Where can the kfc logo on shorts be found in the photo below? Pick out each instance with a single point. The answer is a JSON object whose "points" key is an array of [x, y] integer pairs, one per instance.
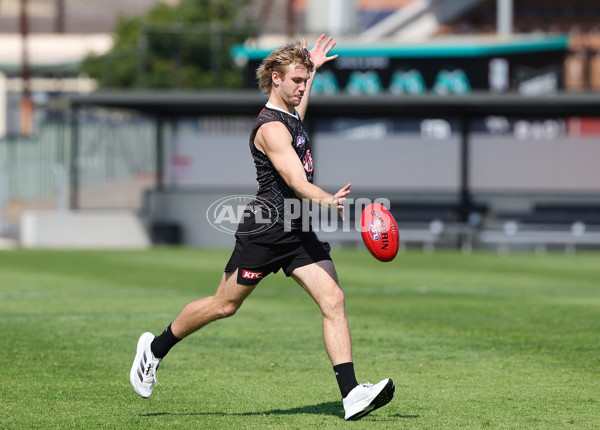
{"points": [[308, 162], [300, 141], [247, 274]]}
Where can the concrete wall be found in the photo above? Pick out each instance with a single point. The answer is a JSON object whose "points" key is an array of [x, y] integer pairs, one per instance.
{"points": [[83, 230], [513, 164], [187, 208]]}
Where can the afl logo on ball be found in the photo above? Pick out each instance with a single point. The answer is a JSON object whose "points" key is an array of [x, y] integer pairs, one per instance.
{"points": [[300, 141], [374, 231]]}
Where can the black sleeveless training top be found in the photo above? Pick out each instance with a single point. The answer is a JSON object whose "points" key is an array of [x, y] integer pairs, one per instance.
{"points": [[271, 186]]}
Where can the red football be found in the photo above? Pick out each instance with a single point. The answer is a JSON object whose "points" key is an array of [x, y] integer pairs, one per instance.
{"points": [[380, 232]]}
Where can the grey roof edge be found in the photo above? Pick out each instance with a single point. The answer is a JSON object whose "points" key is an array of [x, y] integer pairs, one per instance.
{"points": [[248, 102]]}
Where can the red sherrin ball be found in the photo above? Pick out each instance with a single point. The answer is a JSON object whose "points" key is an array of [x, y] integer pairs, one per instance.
{"points": [[380, 232]]}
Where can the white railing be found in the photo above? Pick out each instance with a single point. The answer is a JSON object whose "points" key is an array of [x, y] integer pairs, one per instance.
{"points": [[32, 185]]}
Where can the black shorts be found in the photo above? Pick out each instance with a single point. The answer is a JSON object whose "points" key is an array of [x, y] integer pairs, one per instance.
{"points": [[256, 254]]}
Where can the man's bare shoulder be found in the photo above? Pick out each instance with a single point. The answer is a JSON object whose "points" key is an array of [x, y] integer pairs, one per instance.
{"points": [[273, 127], [271, 136]]}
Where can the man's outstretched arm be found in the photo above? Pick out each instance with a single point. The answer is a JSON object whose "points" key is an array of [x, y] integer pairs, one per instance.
{"points": [[318, 55]]}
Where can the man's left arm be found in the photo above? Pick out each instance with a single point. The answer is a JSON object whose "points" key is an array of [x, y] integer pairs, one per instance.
{"points": [[318, 55]]}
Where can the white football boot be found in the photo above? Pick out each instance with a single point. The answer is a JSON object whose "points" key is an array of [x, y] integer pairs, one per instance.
{"points": [[365, 398], [143, 369]]}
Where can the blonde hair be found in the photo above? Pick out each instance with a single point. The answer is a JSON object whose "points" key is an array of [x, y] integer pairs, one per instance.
{"points": [[278, 60]]}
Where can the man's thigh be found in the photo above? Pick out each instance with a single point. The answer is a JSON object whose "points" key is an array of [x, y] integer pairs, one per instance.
{"points": [[318, 279], [230, 290]]}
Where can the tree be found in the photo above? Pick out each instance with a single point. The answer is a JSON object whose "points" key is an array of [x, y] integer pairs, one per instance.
{"points": [[183, 46]]}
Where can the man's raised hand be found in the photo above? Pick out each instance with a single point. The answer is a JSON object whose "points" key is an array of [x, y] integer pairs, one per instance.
{"points": [[318, 53]]}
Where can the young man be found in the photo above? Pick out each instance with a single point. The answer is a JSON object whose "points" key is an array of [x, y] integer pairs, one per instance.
{"points": [[282, 155]]}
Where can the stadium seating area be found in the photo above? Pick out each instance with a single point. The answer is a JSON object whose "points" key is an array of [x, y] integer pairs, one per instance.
{"points": [[448, 225], [547, 225], [544, 213], [424, 224]]}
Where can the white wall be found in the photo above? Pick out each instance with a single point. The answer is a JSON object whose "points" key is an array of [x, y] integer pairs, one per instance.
{"points": [[333, 17], [3, 89], [83, 230], [188, 209]]}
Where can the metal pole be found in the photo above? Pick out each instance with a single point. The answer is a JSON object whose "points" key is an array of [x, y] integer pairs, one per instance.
{"points": [[290, 19], [215, 49], [60, 17], [160, 162], [465, 192], [26, 105], [74, 165], [504, 17], [265, 11], [142, 56]]}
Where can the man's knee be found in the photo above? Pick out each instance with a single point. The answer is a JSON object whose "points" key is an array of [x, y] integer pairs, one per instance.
{"points": [[335, 301], [228, 309], [340, 299]]}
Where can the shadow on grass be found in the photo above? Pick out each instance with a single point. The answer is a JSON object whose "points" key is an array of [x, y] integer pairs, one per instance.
{"points": [[327, 408]]}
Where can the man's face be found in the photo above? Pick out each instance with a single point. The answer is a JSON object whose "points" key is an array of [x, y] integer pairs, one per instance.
{"points": [[292, 84]]}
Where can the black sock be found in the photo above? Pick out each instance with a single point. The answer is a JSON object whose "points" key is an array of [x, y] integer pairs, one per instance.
{"points": [[162, 344], [344, 373]]}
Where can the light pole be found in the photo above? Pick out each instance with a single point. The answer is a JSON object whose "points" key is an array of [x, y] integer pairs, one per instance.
{"points": [[26, 105]]}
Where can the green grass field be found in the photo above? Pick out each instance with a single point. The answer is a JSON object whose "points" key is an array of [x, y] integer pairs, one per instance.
{"points": [[471, 341]]}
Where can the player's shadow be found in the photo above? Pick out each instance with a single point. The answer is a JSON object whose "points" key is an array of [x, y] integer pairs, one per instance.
{"points": [[327, 408]]}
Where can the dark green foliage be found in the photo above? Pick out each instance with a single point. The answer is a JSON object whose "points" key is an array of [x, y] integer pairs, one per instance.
{"points": [[183, 47]]}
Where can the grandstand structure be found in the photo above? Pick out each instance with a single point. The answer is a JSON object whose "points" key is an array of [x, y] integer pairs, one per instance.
{"points": [[489, 139], [478, 170]]}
